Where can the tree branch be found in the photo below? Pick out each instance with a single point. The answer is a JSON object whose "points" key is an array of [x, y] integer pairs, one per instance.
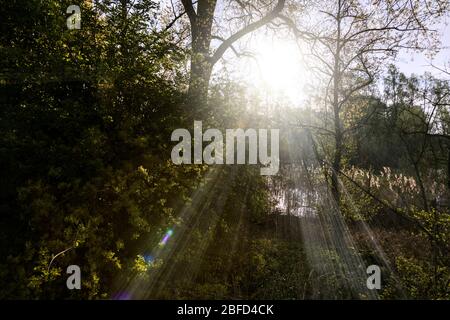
{"points": [[189, 8], [246, 30]]}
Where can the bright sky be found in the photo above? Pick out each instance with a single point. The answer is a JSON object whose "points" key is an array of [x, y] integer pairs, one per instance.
{"points": [[278, 70], [418, 63]]}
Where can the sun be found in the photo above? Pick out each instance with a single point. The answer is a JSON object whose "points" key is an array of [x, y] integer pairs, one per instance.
{"points": [[277, 68]]}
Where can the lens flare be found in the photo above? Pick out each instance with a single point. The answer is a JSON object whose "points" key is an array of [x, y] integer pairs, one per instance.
{"points": [[166, 237], [122, 295], [149, 258]]}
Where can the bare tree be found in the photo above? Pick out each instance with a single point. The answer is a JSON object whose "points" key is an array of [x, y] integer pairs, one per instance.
{"points": [[201, 17], [349, 40]]}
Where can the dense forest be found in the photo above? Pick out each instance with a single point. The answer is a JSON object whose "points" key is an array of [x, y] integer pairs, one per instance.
{"points": [[87, 115]]}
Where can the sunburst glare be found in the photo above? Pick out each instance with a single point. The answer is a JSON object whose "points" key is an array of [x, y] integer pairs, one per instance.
{"points": [[277, 67]]}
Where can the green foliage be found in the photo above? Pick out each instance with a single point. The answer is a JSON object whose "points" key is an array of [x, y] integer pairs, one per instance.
{"points": [[277, 270], [84, 142], [86, 178], [420, 280]]}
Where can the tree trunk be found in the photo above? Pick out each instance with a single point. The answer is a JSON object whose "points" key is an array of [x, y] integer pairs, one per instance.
{"points": [[448, 169], [200, 75], [336, 168], [201, 64], [337, 79]]}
